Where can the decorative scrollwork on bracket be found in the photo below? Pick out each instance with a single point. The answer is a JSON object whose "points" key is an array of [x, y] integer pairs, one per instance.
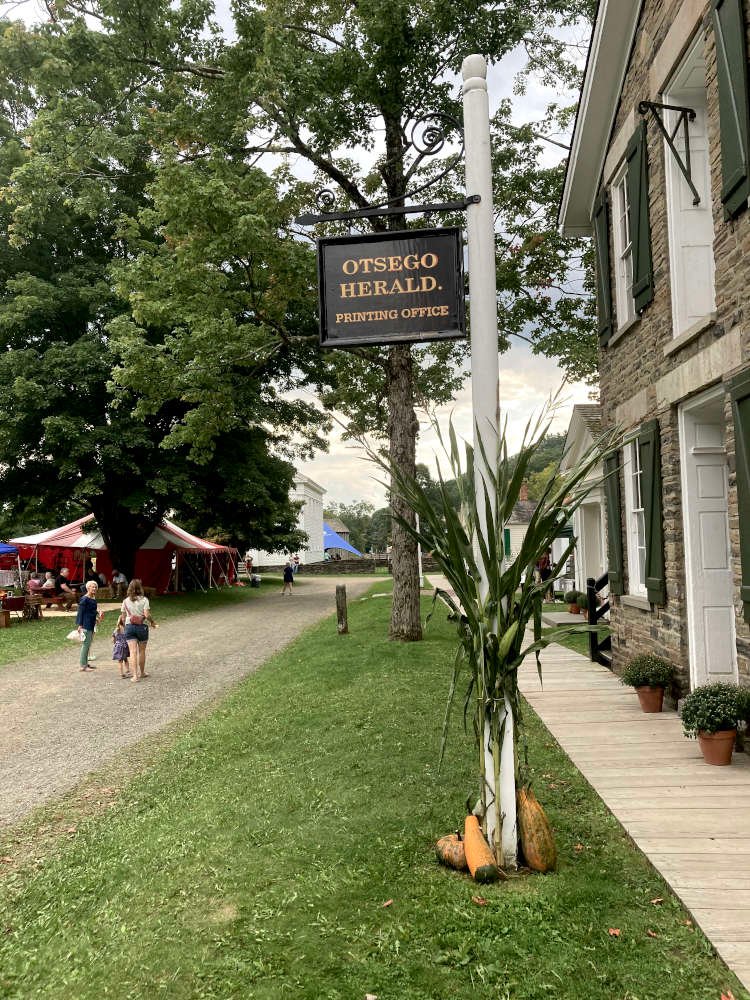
{"points": [[428, 136], [430, 133], [325, 200]]}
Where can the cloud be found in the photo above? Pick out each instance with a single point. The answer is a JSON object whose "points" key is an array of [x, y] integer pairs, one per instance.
{"points": [[527, 381]]}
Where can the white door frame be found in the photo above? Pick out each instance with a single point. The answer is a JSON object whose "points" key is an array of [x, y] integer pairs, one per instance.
{"points": [[686, 411]]}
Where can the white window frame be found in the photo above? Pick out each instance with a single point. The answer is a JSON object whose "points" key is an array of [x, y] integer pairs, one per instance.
{"points": [[689, 227], [635, 518], [623, 248]]}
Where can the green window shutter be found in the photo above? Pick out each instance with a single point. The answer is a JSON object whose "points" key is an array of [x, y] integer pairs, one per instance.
{"points": [[740, 395], [600, 225], [734, 112], [640, 230], [614, 529], [648, 445], [506, 541]]}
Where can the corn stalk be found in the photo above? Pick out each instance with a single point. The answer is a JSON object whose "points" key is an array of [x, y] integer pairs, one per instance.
{"points": [[493, 618]]}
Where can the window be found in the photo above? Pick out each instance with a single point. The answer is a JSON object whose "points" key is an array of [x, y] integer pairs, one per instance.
{"points": [[635, 519], [691, 230], [623, 247]]}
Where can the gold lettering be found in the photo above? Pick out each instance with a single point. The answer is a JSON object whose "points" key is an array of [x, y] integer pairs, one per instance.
{"points": [[429, 260], [411, 262], [394, 263], [347, 289], [380, 287], [350, 267], [364, 288], [380, 264], [429, 284]]}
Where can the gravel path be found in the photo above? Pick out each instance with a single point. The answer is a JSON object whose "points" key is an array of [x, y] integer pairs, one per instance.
{"points": [[58, 724]]}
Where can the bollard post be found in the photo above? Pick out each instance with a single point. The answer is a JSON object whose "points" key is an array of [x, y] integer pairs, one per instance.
{"points": [[342, 622]]}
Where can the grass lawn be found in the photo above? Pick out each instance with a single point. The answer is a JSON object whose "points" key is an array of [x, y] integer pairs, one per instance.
{"points": [[36, 638], [282, 847]]}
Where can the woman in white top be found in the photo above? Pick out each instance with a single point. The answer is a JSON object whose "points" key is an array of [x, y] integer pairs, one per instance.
{"points": [[134, 615]]}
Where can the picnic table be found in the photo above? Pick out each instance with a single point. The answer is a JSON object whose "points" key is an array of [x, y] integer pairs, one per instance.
{"points": [[25, 607]]}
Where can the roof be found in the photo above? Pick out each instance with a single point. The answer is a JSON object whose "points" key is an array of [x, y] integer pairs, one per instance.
{"points": [[338, 525], [606, 65], [301, 480], [83, 534], [584, 428], [523, 511]]}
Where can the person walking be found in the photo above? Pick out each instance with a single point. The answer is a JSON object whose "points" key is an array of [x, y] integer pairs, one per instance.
{"points": [[86, 619], [135, 613], [288, 579], [120, 651]]}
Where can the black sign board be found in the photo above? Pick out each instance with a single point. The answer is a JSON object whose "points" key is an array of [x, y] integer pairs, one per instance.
{"points": [[386, 288]]}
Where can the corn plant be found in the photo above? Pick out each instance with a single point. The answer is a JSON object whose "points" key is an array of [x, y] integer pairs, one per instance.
{"points": [[494, 596]]}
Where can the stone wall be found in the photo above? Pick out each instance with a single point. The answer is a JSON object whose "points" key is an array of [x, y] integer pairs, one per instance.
{"points": [[644, 372]]}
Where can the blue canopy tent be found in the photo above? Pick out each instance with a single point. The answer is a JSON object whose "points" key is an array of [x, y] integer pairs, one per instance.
{"points": [[332, 540], [9, 555]]}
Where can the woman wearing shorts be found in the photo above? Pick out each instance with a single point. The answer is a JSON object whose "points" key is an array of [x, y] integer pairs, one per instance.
{"points": [[135, 615]]}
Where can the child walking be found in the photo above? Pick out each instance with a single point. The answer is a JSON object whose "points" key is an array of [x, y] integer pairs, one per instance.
{"points": [[120, 651]]}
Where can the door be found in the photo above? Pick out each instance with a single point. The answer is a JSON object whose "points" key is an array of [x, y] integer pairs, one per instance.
{"points": [[708, 567]]}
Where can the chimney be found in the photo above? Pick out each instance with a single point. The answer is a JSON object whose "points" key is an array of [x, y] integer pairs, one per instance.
{"points": [[523, 493]]}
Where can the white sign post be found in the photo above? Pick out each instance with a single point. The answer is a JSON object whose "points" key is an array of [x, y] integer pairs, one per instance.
{"points": [[485, 388]]}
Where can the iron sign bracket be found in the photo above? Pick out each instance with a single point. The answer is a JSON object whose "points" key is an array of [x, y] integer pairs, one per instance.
{"points": [[371, 213], [685, 116]]}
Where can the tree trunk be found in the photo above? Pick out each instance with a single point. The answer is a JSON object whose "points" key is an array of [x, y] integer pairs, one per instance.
{"points": [[123, 532], [406, 624]]}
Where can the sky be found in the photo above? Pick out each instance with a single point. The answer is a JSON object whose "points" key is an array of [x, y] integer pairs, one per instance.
{"points": [[526, 380]]}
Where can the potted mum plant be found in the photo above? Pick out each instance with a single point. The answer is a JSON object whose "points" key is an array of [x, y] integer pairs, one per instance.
{"points": [[583, 604], [711, 712], [649, 675], [571, 599]]}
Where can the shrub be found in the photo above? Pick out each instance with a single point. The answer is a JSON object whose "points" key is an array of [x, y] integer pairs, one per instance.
{"points": [[648, 671], [712, 708], [583, 601], [571, 597]]}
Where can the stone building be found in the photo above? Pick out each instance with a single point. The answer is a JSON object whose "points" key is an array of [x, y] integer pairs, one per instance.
{"points": [[659, 174]]}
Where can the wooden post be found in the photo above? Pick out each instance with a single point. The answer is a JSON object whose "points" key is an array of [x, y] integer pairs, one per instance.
{"points": [[342, 620]]}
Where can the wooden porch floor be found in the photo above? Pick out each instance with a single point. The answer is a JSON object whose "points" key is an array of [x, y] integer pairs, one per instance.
{"points": [[691, 819]]}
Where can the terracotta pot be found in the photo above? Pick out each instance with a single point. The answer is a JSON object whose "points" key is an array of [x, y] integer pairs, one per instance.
{"points": [[573, 609], [717, 747], [651, 698]]}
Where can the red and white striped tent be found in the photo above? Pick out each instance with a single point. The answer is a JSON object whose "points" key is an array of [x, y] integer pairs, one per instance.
{"points": [[169, 559]]}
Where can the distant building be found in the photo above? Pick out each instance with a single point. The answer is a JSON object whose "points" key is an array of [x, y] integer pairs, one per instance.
{"points": [[342, 530], [310, 520], [589, 521]]}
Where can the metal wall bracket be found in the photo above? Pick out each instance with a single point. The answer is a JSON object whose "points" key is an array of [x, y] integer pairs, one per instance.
{"points": [[686, 115], [372, 213]]}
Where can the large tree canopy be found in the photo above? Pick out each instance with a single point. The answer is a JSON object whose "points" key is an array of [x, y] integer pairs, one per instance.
{"points": [[81, 421]]}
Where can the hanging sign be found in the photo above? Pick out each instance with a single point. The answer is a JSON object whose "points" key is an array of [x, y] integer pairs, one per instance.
{"points": [[387, 288]]}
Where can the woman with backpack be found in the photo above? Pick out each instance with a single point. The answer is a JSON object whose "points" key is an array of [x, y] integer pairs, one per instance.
{"points": [[134, 615]]}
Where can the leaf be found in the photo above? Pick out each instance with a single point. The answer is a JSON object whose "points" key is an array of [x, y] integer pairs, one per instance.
{"points": [[388, 902], [578, 848], [371, 996], [651, 934], [479, 900], [657, 900], [71, 829], [614, 932], [6, 859], [727, 996]]}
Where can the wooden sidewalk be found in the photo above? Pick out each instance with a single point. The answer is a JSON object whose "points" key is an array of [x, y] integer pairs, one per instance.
{"points": [[691, 820]]}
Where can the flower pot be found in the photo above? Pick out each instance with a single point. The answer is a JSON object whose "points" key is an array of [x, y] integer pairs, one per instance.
{"points": [[717, 747], [573, 609], [651, 698]]}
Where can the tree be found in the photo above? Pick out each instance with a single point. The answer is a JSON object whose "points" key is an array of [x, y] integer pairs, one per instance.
{"points": [[374, 70], [79, 427]]}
